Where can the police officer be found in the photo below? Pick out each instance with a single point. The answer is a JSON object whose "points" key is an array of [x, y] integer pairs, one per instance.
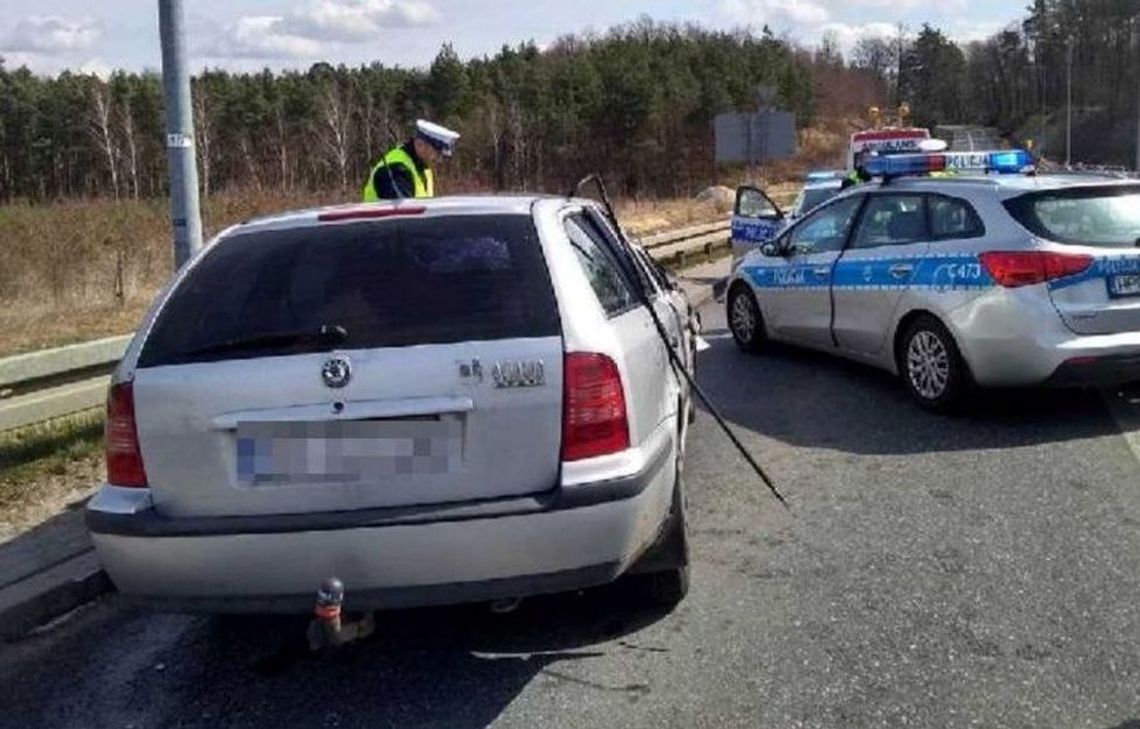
{"points": [[858, 173], [406, 171]]}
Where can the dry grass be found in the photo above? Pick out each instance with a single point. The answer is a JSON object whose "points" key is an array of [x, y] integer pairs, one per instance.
{"points": [[81, 270], [84, 269], [45, 467], [641, 217]]}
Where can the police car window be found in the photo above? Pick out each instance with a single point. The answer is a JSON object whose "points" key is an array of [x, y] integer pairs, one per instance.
{"points": [[815, 197], [1105, 217], [891, 220], [601, 270], [953, 218], [752, 203], [826, 229]]}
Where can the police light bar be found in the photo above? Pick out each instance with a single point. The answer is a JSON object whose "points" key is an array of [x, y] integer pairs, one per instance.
{"points": [[1003, 162]]}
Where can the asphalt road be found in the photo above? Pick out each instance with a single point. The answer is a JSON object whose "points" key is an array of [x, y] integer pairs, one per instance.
{"points": [[932, 572]]}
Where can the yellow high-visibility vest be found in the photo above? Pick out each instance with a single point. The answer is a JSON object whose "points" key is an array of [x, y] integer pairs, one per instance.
{"points": [[398, 157]]}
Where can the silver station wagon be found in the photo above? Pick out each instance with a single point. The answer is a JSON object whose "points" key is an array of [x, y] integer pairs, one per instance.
{"points": [[453, 400]]}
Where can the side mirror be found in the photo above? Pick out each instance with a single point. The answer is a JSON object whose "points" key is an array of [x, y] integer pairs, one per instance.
{"points": [[770, 249]]}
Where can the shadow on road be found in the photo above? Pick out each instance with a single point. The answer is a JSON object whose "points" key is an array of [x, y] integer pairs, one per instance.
{"points": [[453, 667], [445, 667], [809, 399]]}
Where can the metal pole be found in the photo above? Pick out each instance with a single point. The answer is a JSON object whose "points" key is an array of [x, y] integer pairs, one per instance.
{"points": [[1069, 111], [185, 215]]}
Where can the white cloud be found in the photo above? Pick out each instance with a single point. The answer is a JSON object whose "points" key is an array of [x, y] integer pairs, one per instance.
{"points": [[51, 34], [259, 36], [356, 20], [96, 67], [307, 31], [776, 12], [848, 34], [809, 20], [975, 31]]}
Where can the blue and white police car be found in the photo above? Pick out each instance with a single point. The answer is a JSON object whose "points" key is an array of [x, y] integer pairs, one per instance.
{"points": [[1002, 279], [756, 218]]}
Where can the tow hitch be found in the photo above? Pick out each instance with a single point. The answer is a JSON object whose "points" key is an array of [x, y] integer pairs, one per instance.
{"points": [[328, 628]]}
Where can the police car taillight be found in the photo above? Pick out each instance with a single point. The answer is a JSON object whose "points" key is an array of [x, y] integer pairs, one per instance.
{"points": [[1013, 269]]}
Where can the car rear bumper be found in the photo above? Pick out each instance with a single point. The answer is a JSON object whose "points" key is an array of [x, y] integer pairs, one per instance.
{"points": [[1101, 371], [561, 540], [1014, 339], [1063, 362]]}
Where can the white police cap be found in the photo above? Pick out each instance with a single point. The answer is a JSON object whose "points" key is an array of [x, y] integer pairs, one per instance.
{"points": [[440, 137]]}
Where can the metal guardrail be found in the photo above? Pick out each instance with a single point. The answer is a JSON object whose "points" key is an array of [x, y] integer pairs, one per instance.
{"points": [[676, 246], [38, 386]]}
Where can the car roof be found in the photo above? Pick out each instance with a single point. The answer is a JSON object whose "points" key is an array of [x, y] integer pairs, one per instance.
{"points": [[512, 204], [823, 184]]}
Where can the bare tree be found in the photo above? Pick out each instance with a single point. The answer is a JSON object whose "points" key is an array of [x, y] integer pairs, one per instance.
{"points": [[127, 125], [876, 55], [517, 131], [99, 125], [204, 123], [282, 144], [334, 129], [250, 163]]}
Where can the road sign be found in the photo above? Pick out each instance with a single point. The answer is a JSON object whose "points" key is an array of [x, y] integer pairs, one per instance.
{"points": [[756, 137]]}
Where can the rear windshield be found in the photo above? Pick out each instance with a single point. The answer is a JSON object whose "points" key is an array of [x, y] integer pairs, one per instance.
{"points": [[375, 284], [1106, 217]]}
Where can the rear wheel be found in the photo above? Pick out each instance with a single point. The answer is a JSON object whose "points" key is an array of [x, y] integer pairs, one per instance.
{"points": [[744, 319], [931, 366], [667, 588]]}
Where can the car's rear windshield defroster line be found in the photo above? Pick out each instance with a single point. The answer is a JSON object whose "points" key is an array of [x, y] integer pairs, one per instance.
{"points": [[387, 283]]}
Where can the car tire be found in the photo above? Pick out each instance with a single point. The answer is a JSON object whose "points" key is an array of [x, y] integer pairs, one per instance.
{"points": [[662, 574], [667, 589], [744, 319], [931, 366]]}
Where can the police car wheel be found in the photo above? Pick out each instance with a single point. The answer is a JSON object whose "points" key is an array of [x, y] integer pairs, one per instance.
{"points": [[745, 320], [931, 366]]}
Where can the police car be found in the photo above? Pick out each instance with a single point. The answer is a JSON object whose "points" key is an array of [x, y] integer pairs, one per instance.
{"points": [[1003, 279], [756, 218]]}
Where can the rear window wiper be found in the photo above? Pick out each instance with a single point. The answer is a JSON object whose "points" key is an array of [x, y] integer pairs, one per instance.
{"points": [[326, 334]]}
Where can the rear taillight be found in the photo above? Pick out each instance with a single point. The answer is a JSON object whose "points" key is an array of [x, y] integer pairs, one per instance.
{"points": [[594, 420], [1025, 268], [121, 439]]}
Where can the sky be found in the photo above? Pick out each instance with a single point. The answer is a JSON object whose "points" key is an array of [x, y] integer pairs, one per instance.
{"points": [[50, 35]]}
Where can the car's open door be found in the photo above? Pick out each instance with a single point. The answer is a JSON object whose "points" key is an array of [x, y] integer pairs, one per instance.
{"points": [[756, 218]]}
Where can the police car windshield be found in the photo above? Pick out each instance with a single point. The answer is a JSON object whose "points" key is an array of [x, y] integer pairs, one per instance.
{"points": [[1107, 217], [814, 197]]}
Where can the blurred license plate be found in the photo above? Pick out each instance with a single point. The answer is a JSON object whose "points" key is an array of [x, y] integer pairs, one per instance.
{"points": [[349, 451], [1127, 284]]}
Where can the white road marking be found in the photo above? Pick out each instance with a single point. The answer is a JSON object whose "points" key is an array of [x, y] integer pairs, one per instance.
{"points": [[1125, 408]]}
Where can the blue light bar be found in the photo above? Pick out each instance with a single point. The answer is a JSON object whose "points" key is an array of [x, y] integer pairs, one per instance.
{"points": [[1003, 162]]}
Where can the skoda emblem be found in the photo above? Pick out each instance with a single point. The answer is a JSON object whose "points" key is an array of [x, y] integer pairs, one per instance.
{"points": [[336, 372]]}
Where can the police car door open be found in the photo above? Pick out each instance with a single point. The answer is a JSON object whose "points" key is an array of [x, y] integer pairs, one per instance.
{"points": [[756, 219]]}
